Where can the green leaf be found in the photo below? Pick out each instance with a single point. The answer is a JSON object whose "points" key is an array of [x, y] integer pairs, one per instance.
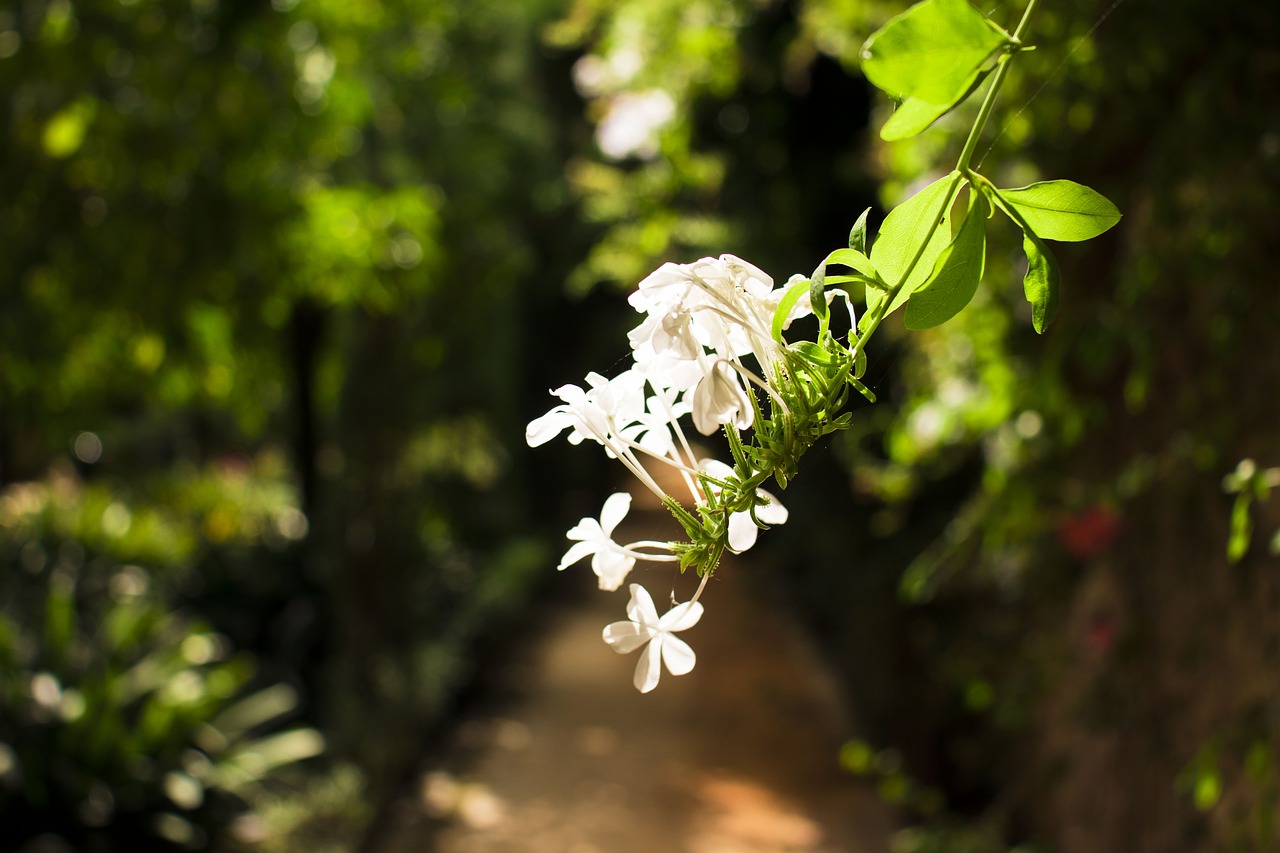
{"points": [[1208, 789], [812, 352], [956, 275], [1041, 281], [915, 114], [858, 233], [853, 259], [1062, 210], [931, 51], [789, 300], [901, 234], [912, 116], [817, 295], [862, 389]]}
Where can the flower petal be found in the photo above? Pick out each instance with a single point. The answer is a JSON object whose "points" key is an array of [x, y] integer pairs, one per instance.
{"points": [[543, 429], [649, 667], [717, 469], [681, 616], [742, 532], [588, 530], [640, 608], [772, 512], [612, 568], [625, 637], [615, 509], [575, 553], [676, 654], [748, 276], [721, 399]]}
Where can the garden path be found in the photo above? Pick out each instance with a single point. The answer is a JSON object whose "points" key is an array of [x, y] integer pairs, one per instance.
{"points": [[739, 756]]}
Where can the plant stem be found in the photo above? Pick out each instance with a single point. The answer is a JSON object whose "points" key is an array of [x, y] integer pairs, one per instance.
{"points": [[962, 170], [988, 102], [882, 307]]}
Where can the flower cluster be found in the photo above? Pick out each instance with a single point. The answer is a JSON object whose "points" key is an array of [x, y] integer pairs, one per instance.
{"points": [[709, 347]]}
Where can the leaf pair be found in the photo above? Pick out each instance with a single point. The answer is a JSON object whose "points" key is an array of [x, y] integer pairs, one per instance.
{"points": [[1051, 210], [931, 57], [934, 265], [910, 241]]}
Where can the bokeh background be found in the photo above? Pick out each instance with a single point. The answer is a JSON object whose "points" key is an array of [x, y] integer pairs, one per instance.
{"points": [[283, 281]]}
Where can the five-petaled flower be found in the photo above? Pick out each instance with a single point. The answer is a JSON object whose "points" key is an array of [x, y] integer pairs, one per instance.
{"points": [[644, 626], [610, 561]]}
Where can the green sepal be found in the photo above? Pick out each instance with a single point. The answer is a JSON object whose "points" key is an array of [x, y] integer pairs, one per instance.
{"points": [[812, 353], [863, 389], [932, 51], [1062, 210], [956, 275], [692, 526]]}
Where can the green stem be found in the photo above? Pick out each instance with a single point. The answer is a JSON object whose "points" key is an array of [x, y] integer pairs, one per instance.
{"points": [[882, 307], [998, 200], [989, 102], [962, 170]]}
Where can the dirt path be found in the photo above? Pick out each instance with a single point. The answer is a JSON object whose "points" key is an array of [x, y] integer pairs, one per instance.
{"points": [[739, 756]]}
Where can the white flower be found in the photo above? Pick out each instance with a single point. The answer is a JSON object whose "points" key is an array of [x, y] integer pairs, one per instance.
{"points": [[591, 414], [653, 430], [666, 370], [610, 561], [742, 528], [747, 276], [645, 627], [721, 399], [665, 286]]}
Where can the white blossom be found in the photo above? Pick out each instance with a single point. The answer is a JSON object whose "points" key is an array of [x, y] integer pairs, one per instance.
{"points": [[654, 430], [721, 399], [610, 561], [743, 530], [591, 414], [663, 647]]}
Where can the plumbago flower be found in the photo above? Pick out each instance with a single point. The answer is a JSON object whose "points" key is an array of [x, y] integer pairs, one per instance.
{"points": [[610, 561], [708, 349], [644, 626]]}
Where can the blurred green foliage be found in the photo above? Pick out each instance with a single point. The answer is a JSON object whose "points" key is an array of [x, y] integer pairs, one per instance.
{"points": [[274, 270], [283, 285], [123, 721]]}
